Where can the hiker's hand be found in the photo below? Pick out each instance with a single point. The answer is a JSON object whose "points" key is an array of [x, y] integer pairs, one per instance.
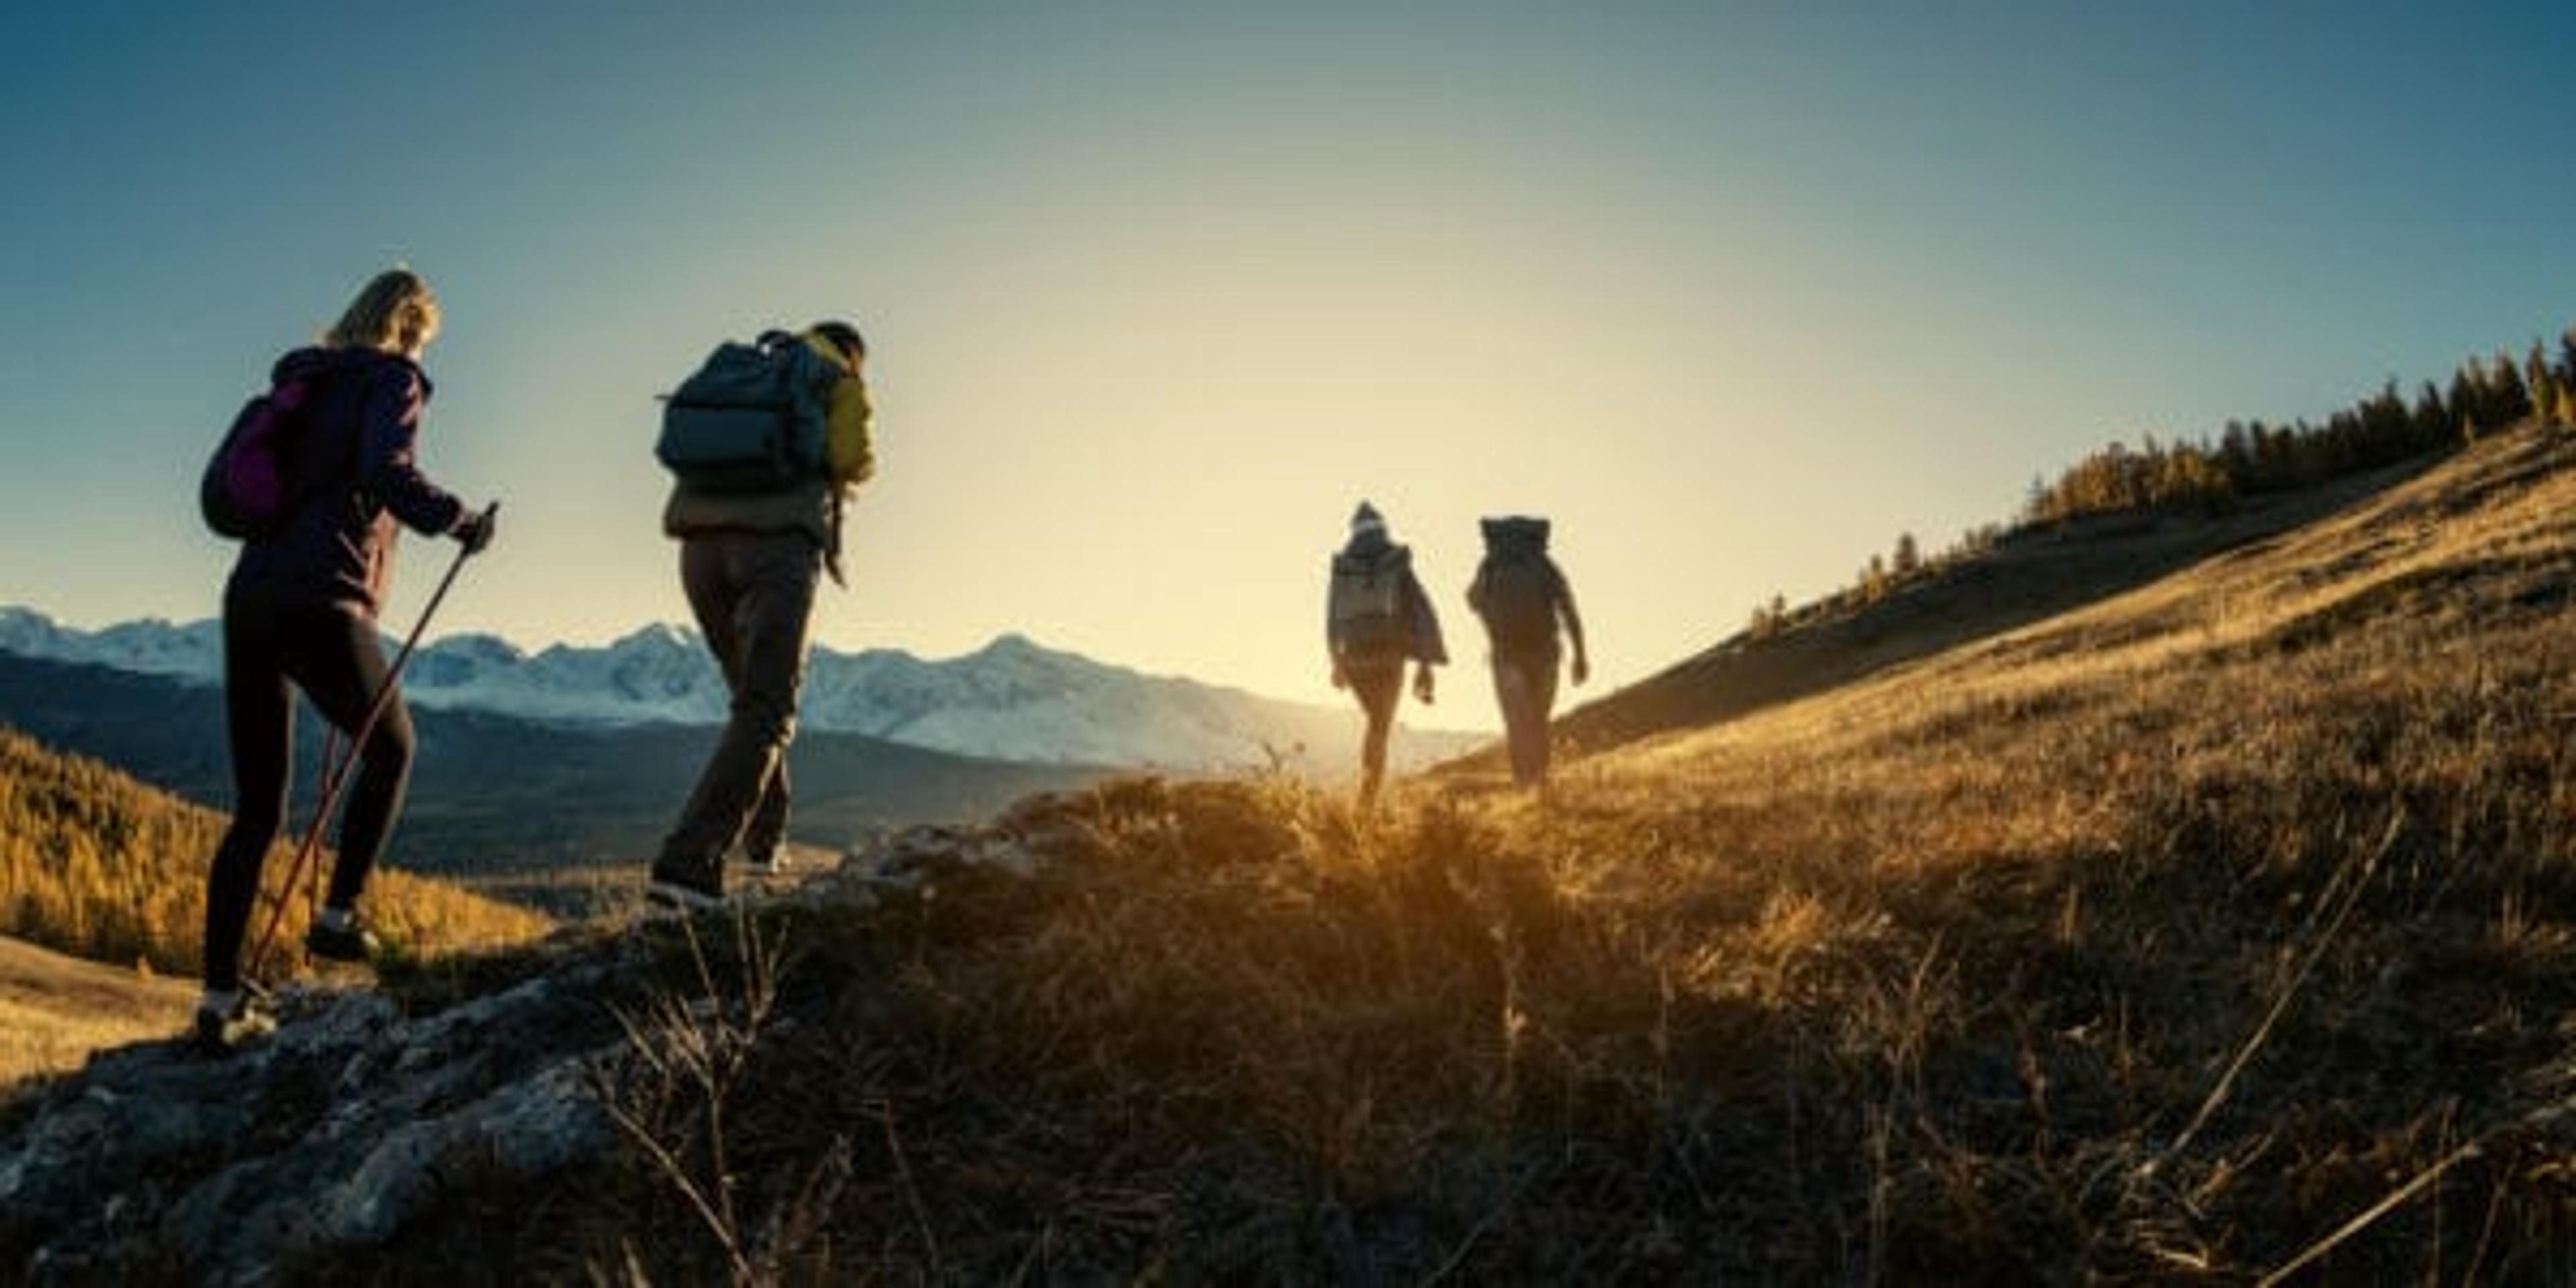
{"points": [[1422, 684], [1582, 670], [474, 531]]}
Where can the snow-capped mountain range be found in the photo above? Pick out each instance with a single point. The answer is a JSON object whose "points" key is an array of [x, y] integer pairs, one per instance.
{"points": [[1011, 700]]}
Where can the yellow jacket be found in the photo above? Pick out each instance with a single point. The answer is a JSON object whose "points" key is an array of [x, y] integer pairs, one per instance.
{"points": [[849, 422], [813, 507]]}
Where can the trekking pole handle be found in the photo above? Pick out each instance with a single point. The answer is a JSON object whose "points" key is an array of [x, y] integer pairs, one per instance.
{"points": [[483, 522]]}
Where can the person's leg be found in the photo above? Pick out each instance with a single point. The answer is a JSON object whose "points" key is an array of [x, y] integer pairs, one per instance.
{"points": [[337, 659], [1508, 690], [1517, 691], [709, 577], [259, 716], [771, 584], [1379, 689], [765, 838], [1542, 699]]}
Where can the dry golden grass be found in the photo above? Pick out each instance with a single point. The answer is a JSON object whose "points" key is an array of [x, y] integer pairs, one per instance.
{"points": [[2069, 876], [55, 1011], [103, 868], [2216, 930]]}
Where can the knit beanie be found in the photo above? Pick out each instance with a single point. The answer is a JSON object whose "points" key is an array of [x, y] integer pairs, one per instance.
{"points": [[1367, 519]]}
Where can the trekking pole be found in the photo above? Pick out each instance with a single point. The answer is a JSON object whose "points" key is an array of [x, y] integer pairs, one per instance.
{"points": [[337, 775], [321, 791]]}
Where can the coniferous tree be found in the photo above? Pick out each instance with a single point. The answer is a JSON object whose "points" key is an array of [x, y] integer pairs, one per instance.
{"points": [[2430, 420], [2512, 397], [2381, 426], [2250, 456], [2268, 473], [2194, 478], [1767, 618], [2542, 382], [2236, 451], [1909, 557], [2468, 399]]}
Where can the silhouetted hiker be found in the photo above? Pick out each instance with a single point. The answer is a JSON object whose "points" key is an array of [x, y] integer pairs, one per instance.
{"points": [[1375, 617], [1522, 596], [755, 535], [300, 610]]}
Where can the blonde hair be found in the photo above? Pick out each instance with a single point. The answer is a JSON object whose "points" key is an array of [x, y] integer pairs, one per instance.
{"points": [[395, 313]]}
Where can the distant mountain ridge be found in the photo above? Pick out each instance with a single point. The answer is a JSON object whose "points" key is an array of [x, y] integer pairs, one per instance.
{"points": [[493, 794], [1012, 700]]}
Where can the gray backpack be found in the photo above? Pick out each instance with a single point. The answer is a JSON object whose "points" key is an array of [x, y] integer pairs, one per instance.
{"points": [[750, 419], [1366, 605]]}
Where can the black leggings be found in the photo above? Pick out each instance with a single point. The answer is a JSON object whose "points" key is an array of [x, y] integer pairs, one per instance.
{"points": [[333, 655]]}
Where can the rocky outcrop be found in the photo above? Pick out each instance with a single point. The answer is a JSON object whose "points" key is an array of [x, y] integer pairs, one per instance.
{"points": [[356, 1120], [333, 1134]]}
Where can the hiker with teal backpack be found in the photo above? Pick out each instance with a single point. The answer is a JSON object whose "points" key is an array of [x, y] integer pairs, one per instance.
{"points": [[765, 443], [1376, 617], [313, 480], [1523, 598]]}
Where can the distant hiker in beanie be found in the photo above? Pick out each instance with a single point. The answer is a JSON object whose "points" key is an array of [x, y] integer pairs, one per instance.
{"points": [[1375, 618], [1522, 597], [750, 557], [300, 611]]}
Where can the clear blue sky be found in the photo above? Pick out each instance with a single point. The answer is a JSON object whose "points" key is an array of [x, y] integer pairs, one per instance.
{"points": [[1156, 291]]}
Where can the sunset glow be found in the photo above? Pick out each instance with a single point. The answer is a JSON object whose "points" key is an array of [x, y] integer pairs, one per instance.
{"points": [[1156, 294]]}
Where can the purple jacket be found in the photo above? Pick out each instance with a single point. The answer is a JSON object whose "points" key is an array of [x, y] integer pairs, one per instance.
{"points": [[354, 476]]}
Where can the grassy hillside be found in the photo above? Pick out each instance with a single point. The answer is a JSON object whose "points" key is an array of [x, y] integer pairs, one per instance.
{"points": [[98, 866], [56, 1010], [2028, 576], [2221, 928]]}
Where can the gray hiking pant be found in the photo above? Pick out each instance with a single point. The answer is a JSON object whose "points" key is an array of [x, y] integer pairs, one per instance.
{"points": [[753, 596], [1525, 688]]}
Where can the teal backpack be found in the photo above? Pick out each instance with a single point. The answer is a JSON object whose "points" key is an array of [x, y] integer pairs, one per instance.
{"points": [[750, 419]]}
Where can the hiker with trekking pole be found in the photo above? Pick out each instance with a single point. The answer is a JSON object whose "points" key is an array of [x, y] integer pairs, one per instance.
{"points": [[313, 479]]}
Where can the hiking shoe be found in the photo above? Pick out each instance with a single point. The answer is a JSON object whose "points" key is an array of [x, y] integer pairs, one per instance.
{"points": [[341, 939], [225, 1028], [771, 864], [682, 890]]}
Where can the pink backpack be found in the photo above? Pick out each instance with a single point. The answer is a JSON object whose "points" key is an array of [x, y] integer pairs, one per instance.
{"points": [[246, 492]]}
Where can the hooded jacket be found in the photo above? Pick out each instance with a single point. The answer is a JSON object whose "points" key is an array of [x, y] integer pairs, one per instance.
{"points": [[813, 506], [1370, 552], [354, 476]]}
